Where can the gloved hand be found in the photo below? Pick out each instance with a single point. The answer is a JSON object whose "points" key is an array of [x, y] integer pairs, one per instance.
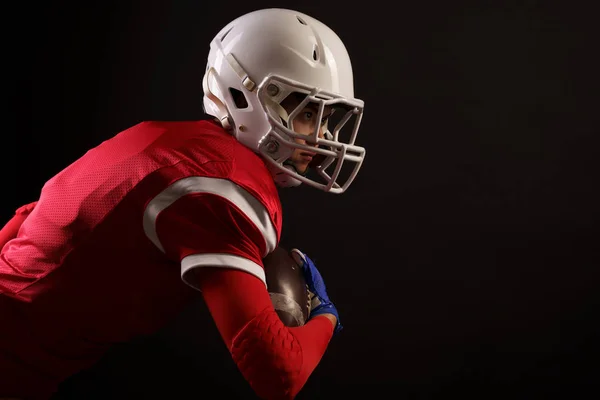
{"points": [[320, 303]]}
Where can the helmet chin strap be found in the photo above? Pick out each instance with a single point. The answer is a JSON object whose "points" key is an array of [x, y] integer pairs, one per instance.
{"points": [[291, 165], [285, 180]]}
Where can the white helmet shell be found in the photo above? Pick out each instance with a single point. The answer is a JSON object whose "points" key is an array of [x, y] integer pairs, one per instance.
{"points": [[266, 55]]}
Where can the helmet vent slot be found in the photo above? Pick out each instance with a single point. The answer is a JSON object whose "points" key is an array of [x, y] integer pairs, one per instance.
{"points": [[226, 33], [301, 20]]}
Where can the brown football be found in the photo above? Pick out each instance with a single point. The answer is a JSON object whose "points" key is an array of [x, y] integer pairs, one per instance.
{"points": [[287, 287]]}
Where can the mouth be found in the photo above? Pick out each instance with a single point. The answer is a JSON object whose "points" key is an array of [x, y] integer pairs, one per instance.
{"points": [[307, 155]]}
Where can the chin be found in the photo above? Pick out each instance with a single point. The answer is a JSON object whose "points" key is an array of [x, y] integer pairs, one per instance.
{"points": [[302, 168]]}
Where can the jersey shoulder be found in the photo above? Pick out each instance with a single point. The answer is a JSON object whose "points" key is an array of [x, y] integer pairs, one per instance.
{"points": [[206, 142], [205, 149]]}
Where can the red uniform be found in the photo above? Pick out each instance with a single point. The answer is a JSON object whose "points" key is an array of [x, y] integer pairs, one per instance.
{"points": [[105, 253]]}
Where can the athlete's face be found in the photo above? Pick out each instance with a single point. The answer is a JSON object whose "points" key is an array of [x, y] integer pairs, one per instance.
{"points": [[305, 123]]}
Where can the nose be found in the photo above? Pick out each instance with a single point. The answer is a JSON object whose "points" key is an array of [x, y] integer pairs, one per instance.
{"points": [[307, 143], [322, 132], [321, 135]]}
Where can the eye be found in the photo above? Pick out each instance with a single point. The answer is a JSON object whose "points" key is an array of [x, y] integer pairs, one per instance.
{"points": [[310, 115]]}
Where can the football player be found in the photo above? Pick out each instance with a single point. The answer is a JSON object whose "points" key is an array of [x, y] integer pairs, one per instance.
{"points": [[122, 239]]}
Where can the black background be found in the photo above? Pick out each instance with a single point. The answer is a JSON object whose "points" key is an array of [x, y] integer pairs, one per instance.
{"points": [[462, 259]]}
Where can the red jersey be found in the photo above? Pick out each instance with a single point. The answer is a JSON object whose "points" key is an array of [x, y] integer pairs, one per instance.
{"points": [[105, 253]]}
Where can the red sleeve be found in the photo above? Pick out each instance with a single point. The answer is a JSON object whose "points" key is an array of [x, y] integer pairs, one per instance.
{"points": [[220, 234], [208, 222], [11, 229], [275, 360]]}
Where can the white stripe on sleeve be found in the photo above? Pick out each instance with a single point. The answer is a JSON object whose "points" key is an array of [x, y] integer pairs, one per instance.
{"points": [[220, 260], [241, 198]]}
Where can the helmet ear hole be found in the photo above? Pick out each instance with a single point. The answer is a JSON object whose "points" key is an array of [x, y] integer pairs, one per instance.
{"points": [[238, 98]]}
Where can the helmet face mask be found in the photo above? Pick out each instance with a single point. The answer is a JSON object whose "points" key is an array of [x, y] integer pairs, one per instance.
{"points": [[331, 149], [308, 61]]}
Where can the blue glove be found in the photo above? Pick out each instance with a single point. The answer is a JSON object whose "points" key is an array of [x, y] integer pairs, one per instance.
{"points": [[320, 303]]}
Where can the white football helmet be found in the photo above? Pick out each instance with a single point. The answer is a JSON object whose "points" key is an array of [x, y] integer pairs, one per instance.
{"points": [[267, 55]]}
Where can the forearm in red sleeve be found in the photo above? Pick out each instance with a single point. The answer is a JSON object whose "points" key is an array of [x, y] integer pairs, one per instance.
{"points": [[275, 360], [11, 228]]}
